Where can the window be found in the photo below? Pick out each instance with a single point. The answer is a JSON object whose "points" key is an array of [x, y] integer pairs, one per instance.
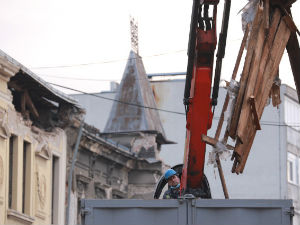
{"points": [[24, 176], [20, 191], [292, 112], [293, 136], [293, 169], [10, 171], [27, 178], [55, 189]]}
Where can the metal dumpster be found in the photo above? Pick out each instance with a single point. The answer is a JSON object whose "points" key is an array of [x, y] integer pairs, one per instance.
{"points": [[187, 211]]}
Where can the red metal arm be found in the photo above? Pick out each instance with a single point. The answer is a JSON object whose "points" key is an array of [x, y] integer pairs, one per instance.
{"points": [[199, 115]]}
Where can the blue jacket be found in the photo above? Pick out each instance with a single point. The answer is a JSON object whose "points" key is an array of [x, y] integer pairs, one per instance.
{"points": [[172, 193]]}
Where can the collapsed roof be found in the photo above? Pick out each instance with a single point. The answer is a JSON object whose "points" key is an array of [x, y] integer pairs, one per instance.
{"points": [[36, 100]]}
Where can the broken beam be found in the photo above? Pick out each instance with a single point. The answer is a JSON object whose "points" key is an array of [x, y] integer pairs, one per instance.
{"points": [[254, 112], [213, 142], [30, 104]]}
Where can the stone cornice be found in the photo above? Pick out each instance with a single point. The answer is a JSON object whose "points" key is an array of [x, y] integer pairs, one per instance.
{"points": [[7, 70]]}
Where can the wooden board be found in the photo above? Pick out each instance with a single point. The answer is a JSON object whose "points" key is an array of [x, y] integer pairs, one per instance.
{"points": [[270, 72], [244, 78]]}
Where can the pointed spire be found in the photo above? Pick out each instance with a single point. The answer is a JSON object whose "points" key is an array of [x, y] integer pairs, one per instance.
{"points": [[135, 89]]}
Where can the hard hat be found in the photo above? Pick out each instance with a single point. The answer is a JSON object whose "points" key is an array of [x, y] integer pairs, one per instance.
{"points": [[169, 173]]}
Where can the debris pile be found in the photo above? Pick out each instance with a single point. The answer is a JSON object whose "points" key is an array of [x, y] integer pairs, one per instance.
{"points": [[271, 30]]}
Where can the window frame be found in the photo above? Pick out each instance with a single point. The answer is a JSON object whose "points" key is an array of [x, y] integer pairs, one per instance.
{"points": [[293, 165]]}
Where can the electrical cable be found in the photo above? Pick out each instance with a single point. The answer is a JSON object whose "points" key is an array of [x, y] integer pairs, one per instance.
{"points": [[267, 123], [77, 78], [102, 62], [115, 100]]}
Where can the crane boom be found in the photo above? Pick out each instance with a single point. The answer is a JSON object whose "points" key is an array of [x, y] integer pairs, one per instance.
{"points": [[202, 45]]}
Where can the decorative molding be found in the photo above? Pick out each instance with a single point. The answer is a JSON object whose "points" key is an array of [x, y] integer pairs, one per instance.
{"points": [[45, 153], [101, 190], [40, 215], [83, 178], [1, 172], [20, 216], [119, 194], [6, 97], [41, 189], [7, 69], [82, 183], [3, 123], [100, 193], [101, 186]]}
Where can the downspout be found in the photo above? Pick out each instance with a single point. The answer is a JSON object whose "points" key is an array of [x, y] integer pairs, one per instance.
{"points": [[71, 171]]}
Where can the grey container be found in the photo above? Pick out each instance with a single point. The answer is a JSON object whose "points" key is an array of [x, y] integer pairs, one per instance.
{"points": [[187, 211]]}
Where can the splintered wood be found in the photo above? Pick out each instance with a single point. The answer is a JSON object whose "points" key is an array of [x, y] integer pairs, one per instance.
{"points": [[264, 60], [269, 35]]}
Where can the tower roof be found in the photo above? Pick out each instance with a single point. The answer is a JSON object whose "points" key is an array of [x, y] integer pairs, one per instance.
{"points": [[135, 107]]}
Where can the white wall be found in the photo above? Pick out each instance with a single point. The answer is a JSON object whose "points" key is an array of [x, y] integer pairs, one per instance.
{"points": [[262, 177], [97, 107]]}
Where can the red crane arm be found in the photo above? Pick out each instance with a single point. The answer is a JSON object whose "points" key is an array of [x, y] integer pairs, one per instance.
{"points": [[197, 97]]}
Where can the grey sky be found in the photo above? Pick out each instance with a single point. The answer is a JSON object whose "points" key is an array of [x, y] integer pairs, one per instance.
{"points": [[96, 32]]}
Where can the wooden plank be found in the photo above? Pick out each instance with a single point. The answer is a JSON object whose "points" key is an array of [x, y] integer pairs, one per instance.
{"points": [[266, 51], [243, 81], [290, 23], [233, 76], [23, 103], [30, 105], [240, 54], [293, 51], [265, 56], [209, 140], [289, 20], [222, 178], [264, 79], [272, 66], [267, 14], [251, 83], [254, 112], [213, 142], [262, 64], [276, 53], [221, 120], [247, 147]]}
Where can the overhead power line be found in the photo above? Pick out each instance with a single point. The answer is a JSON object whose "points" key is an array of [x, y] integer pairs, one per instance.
{"points": [[115, 100], [77, 78], [101, 62], [266, 123], [173, 74]]}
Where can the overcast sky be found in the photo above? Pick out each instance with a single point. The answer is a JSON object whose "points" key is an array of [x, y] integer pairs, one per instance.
{"points": [[92, 38]]}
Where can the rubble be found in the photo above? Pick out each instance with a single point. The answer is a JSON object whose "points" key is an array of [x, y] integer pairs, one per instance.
{"points": [[271, 31]]}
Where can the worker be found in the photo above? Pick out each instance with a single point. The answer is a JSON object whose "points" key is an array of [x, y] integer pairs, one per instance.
{"points": [[174, 184]]}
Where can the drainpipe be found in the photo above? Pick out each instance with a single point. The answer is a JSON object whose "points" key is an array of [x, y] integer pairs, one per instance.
{"points": [[71, 171]]}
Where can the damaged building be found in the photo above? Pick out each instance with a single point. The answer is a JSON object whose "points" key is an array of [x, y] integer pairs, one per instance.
{"points": [[38, 134], [33, 146], [123, 160]]}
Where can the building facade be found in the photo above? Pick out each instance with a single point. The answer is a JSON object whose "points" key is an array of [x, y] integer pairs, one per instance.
{"points": [[105, 169], [123, 160], [33, 147]]}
